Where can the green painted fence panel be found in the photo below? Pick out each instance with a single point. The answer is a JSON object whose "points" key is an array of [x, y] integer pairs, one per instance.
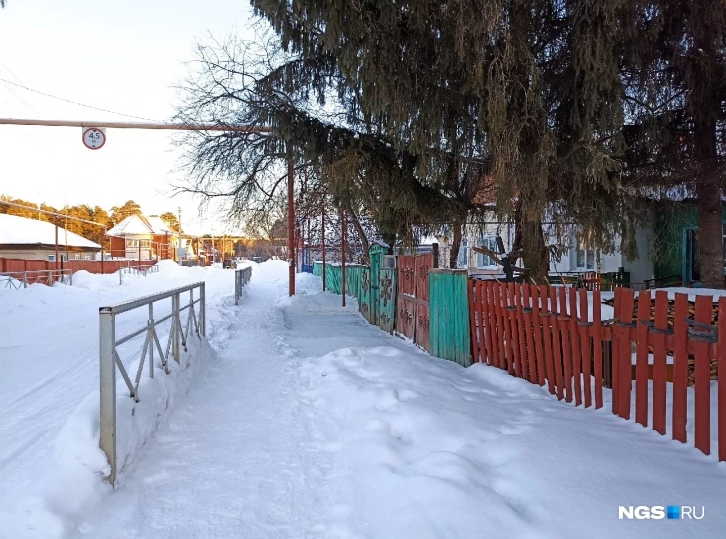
{"points": [[449, 315], [387, 295], [353, 277], [376, 254], [318, 268]]}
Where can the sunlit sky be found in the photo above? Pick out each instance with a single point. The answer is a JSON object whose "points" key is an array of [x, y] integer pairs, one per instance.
{"points": [[122, 56]]}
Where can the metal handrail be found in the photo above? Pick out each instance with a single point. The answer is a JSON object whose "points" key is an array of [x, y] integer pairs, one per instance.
{"points": [[136, 270], [241, 278], [110, 360], [14, 279]]}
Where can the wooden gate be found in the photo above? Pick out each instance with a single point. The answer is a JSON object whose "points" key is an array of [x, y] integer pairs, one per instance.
{"points": [[412, 309]]}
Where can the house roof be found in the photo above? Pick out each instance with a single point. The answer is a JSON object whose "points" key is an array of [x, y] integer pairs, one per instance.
{"points": [[159, 225], [137, 224], [15, 230]]}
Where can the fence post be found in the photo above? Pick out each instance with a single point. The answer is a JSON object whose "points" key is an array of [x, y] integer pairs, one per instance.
{"points": [[175, 320], [202, 310], [236, 287], [107, 340], [151, 340]]}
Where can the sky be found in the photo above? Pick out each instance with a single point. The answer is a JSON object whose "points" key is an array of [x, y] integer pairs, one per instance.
{"points": [[124, 57]]}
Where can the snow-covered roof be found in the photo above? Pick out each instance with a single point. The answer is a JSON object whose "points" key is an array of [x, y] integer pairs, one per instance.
{"points": [[159, 225], [136, 224], [15, 230]]}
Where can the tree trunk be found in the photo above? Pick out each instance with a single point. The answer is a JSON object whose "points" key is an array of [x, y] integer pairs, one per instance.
{"points": [[353, 219], [534, 252], [705, 106], [710, 235], [456, 243]]}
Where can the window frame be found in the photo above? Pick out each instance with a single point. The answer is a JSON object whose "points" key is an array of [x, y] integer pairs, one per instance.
{"points": [[490, 242]]}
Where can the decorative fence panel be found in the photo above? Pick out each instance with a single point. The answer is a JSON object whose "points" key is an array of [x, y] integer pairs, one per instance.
{"points": [[557, 337], [449, 315], [387, 299], [406, 299], [424, 264], [412, 311], [365, 294]]}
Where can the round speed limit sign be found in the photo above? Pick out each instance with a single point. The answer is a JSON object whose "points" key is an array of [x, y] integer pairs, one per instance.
{"points": [[94, 137]]}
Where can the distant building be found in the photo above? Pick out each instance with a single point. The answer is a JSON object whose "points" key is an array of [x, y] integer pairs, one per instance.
{"points": [[143, 238], [30, 239]]}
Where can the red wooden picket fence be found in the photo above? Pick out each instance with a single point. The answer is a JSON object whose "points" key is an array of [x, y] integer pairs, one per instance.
{"points": [[9, 265], [556, 336]]}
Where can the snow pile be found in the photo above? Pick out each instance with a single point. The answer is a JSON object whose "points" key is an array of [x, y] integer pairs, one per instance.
{"points": [[80, 465], [425, 449]]}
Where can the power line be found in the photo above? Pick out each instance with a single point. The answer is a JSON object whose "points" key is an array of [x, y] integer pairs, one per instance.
{"points": [[74, 102]]}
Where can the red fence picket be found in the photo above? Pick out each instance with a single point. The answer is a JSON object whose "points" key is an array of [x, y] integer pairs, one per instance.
{"points": [[557, 337]]}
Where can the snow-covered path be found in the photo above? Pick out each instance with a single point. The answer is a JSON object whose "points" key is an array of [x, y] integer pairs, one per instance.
{"points": [[310, 423]]}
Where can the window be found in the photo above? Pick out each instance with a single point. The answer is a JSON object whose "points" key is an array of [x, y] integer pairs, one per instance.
{"points": [[484, 261], [585, 256], [463, 260], [86, 257], [134, 243], [76, 257], [51, 258]]}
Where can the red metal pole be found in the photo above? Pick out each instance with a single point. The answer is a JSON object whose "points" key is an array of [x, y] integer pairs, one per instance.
{"points": [[322, 213], [291, 219], [310, 245], [57, 262], [342, 250], [103, 239]]}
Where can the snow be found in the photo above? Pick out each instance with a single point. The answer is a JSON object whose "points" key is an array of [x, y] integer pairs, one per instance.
{"points": [[692, 292], [15, 230], [308, 422], [137, 225]]}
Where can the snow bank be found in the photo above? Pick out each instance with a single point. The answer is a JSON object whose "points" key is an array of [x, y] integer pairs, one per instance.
{"points": [[425, 449], [78, 483]]}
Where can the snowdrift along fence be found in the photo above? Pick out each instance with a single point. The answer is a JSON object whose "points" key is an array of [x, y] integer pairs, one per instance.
{"points": [[548, 335], [110, 360], [241, 278]]}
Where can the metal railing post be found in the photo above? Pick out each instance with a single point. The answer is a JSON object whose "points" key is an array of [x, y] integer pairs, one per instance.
{"points": [[176, 322], [236, 286], [202, 310], [107, 339], [151, 339]]}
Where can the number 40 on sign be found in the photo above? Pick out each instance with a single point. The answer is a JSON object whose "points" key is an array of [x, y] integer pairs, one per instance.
{"points": [[94, 137]]}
